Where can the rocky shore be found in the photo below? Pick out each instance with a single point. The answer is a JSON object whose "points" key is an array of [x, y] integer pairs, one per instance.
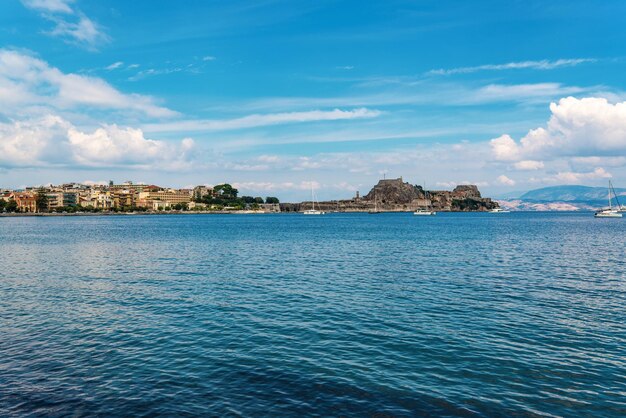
{"points": [[395, 195]]}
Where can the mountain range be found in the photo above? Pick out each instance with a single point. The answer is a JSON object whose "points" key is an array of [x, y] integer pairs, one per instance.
{"points": [[567, 197]]}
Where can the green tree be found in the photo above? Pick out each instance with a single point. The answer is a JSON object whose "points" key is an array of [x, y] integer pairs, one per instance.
{"points": [[41, 200], [271, 199], [226, 191], [258, 200], [11, 206]]}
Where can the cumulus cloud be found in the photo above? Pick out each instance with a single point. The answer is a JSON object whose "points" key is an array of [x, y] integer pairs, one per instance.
{"points": [[33, 143], [577, 128], [502, 179], [51, 140], [572, 177], [29, 81]]}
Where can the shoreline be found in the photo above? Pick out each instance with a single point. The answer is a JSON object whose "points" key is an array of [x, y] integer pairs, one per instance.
{"points": [[230, 212], [36, 215]]}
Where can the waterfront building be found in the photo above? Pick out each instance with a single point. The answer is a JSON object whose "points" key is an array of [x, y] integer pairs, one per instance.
{"points": [[26, 202], [163, 198], [55, 199], [200, 192]]}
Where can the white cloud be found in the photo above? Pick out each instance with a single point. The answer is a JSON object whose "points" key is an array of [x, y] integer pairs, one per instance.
{"points": [[535, 65], [269, 158], [70, 24], [577, 128], [502, 179], [276, 186], [33, 143], [573, 177], [536, 92], [112, 145], [95, 183], [153, 71], [52, 6], [51, 140], [505, 148], [114, 66], [598, 161], [84, 31], [528, 165], [257, 120], [33, 82]]}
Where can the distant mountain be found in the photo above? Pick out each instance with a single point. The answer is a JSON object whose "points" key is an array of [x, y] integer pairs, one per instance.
{"points": [[570, 194], [571, 197]]}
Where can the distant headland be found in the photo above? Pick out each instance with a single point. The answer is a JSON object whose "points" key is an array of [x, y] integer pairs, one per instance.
{"points": [[396, 195]]}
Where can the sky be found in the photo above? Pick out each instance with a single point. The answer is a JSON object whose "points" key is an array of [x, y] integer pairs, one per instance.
{"points": [[278, 97]]}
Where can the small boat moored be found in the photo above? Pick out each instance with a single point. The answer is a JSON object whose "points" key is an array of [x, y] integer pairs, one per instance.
{"points": [[606, 213], [499, 210], [424, 212], [313, 211], [610, 212]]}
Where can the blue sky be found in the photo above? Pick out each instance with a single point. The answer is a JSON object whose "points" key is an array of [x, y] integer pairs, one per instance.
{"points": [[279, 96]]}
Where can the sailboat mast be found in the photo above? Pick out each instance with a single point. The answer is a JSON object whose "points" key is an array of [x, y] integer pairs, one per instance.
{"points": [[609, 194], [619, 205]]}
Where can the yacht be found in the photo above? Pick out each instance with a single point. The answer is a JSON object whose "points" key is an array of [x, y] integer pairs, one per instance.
{"points": [[499, 210], [313, 211], [375, 211], [424, 212], [610, 212]]}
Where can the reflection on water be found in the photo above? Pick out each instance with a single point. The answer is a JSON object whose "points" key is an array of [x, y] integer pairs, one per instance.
{"points": [[346, 314]]}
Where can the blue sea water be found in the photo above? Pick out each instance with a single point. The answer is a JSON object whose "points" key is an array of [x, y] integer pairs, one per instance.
{"points": [[461, 314]]}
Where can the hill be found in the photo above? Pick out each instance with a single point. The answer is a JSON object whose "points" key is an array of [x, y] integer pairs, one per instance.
{"points": [[566, 197]]}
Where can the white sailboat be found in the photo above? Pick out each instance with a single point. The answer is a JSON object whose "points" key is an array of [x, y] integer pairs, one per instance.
{"points": [[375, 211], [313, 211], [610, 212]]}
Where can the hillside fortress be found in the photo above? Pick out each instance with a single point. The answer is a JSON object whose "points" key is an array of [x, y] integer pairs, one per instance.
{"points": [[395, 195]]}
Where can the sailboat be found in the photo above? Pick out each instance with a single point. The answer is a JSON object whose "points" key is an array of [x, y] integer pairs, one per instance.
{"points": [[375, 211], [422, 211], [610, 212], [313, 211]]}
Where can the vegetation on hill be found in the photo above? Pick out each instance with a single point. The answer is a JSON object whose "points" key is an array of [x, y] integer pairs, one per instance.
{"points": [[226, 196]]}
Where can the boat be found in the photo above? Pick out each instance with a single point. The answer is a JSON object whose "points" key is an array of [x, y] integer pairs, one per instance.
{"points": [[610, 212], [313, 211], [375, 211], [422, 211], [499, 210]]}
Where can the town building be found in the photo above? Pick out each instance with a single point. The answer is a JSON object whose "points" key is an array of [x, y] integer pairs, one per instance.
{"points": [[26, 202]]}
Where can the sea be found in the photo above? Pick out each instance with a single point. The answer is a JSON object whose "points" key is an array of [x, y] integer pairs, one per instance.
{"points": [[341, 315]]}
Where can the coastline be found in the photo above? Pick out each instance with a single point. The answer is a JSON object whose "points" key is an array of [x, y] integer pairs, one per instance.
{"points": [[228, 212]]}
